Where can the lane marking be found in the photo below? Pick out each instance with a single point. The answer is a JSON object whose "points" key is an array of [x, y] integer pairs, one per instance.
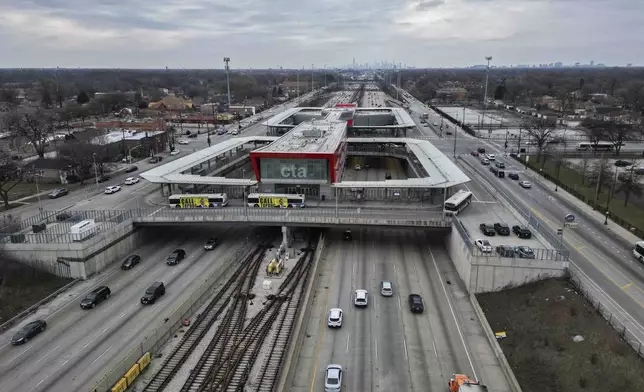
{"points": [[405, 346], [19, 355], [451, 309], [348, 337], [399, 303], [435, 352], [627, 285], [101, 356], [375, 342], [46, 355]]}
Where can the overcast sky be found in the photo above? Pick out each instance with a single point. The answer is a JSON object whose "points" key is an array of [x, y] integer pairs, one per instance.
{"points": [[295, 34]]}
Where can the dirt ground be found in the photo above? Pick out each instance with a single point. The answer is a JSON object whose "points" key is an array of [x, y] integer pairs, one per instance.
{"points": [[540, 320], [23, 286]]}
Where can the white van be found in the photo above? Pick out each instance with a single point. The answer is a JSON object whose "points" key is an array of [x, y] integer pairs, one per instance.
{"points": [[386, 289]]}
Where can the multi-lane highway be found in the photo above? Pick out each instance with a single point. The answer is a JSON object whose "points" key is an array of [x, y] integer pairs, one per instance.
{"points": [[385, 346], [79, 346]]}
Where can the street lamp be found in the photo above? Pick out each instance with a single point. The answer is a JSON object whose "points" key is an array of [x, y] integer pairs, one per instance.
{"points": [[226, 62], [33, 168], [487, 74], [95, 169]]}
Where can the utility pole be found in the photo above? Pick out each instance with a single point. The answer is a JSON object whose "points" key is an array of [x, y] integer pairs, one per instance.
{"points": [[487, 74], [226, 62], [312, 65], [298, 83], [324, 75]]}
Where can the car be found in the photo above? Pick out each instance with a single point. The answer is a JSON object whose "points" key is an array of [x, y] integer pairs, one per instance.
{"points": [[131, 180], [500, 165], [357, 167], [622, 163], [500, 174], [525, 184], [221, 132], [435, 124], [28, 331], [175, 257], [502, 228], [513, 176], [131, 169], [494, 170], [505, 251], [334, 320], [426, 125], [130, 262], [156, 159], [416, 303], [210, 244], [333, 378], [387, 176], [347, 236], [112, 189], [152, 293], [58, 192], [103, 179], [474, 153], [483, 245], [183, 141], [487, 229], [524, 252], [95, 297], [481, 150], [193, 136], [361, 299], [235, 132], [521, 231], [491, 157], [485, 161], [175, 152], [386, 289]]}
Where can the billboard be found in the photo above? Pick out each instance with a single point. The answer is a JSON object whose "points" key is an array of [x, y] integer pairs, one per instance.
{"points": [[194, 202], [273, 202]]}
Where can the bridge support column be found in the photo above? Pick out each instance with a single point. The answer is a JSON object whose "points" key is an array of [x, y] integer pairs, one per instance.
{"points": [[287, 237]]}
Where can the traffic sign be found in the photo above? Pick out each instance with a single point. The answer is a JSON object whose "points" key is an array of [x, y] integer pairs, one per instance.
{"points": [[569, 218], [559, 231]]}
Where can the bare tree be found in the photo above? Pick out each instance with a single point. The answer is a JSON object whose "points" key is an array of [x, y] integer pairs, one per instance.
{"points": [[11, 174], [37, 126], [541, 132], [615, 132], [629, 184], [601, 175], [585, 163], [89, 158]]}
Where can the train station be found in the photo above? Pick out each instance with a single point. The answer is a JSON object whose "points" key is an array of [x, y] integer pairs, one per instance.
{"points": [[316, 160]]}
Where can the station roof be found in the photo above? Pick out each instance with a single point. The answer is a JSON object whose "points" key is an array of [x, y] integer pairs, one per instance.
{"points": [[403, 119], [312, 137]]}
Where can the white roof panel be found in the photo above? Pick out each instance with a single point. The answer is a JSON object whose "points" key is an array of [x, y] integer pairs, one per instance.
{"points": [[195, 179], [321, 137]]}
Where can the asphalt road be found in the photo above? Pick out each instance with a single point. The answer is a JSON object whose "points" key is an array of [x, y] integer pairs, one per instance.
{"points": [[385, 347], [80, 345]]}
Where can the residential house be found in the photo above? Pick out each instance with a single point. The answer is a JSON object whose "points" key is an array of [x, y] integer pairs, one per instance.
{"points": [[171, 103], [52, 171]]}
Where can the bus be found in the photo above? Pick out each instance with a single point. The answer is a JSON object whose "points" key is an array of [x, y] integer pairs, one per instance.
{"points": [[206, 200], [275, 200], [638, 251], [457, 202], [597, 146]]}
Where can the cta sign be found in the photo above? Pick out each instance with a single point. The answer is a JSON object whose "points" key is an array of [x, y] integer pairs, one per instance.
{"points": [[293, 171]]}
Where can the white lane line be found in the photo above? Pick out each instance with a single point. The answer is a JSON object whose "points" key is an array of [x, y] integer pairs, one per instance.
{"points": [[156, 270], [398, 302], [451, 309], [405, 346], [87, 344], [348, 336], [19, 355], [376, 346], [435, 352], [101, 356], [46, 355], [55, 371]]}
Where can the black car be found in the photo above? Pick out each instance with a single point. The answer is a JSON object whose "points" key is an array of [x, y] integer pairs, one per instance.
{"points": [[192, 135], [502, 228], [481, 150], [58, 192], [505, 251], [28, 331], [155, 159], [154, 292], [524, 252], [500, 174], [387, 176], [131, 169], [416, 304], [347, 236], [513, 176], [210, 244], [487, 229], [221, 132], [175, 257], [622, 163], [130, 262], [103, 178], [521, 231], [94, 298]]}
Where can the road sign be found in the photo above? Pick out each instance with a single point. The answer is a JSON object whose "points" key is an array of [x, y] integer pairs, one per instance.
{"points": [[559, 231], [571, 225], [569, 218]]}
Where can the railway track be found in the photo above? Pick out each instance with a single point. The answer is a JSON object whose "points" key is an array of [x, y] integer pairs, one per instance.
{"points": [[205, 320]]}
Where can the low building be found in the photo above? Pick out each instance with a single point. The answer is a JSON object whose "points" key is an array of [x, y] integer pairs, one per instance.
{"points": [[53, 171], [171, 103], [452, 93]]}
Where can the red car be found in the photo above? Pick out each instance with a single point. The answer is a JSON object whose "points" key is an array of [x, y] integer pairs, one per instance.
{"points": [[474, 153]]}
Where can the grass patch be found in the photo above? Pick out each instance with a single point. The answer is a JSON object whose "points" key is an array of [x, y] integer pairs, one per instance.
{"points": [[631, 215], [23, 286], [540, 320]]}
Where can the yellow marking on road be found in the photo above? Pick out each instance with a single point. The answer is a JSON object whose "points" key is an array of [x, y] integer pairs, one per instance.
{"points": [[318, 348], [627, 285]]}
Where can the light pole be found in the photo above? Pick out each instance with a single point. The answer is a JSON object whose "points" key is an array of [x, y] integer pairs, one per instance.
{"points": [[298, 83], [33, 168], [226, 63], [95, 169], [487, 74], [324, 75], [312, 65]]}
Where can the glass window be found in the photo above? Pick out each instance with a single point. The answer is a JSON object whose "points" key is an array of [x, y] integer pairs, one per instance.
{"points": [[639, 249]]}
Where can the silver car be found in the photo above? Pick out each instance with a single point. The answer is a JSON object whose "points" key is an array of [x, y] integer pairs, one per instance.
{"points": [[333, 378]]}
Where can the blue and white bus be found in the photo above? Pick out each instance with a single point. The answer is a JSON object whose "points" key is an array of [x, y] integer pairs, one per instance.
{"points": [[457, 202]]}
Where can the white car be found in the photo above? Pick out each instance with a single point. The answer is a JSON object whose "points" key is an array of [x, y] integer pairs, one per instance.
{"points": [[525, 184], [361, 298], [357, 167], [335, 318], [484, 245], [131, 180], [333, 378], [183, 141], [235, 132], [112, 189], [175, 152], [491, 157]]}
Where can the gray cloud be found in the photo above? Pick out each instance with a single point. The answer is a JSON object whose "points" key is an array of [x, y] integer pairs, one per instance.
{"points": [[426, 5]]}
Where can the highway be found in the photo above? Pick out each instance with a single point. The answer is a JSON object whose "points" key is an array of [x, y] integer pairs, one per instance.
{"points": [[79, 346], [386, 347]]}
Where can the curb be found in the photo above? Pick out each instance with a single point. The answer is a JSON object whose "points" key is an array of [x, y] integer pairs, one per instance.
{"points": [[498, 352], [8, 324]]}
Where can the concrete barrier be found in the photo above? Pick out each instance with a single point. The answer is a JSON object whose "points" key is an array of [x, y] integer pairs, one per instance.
{"points": [[498, 352], [289, 367]]}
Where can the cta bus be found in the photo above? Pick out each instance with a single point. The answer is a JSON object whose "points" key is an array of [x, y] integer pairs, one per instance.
{"points": [[638, 251], [457, 203], [207, 200], [598, 146], [275, 200]]}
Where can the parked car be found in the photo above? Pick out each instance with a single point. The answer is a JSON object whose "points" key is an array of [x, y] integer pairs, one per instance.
{"points": [[502, 228], [524, 252], [521, 231], [622, 163], [28, 331], [487, 229], [347, 236], [505, 251], [131, 180], [416, 303], [175, 152], [131, 169], [193, 136], [112, 189], [513, 176], [333, 378], [156, 159], [210, 244], [357, 167], [152, 293], [183, 141], [175, 257], [130, 262], [95, 297], [58, 192], [525, 184], [103, 178], [483, 245]]}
